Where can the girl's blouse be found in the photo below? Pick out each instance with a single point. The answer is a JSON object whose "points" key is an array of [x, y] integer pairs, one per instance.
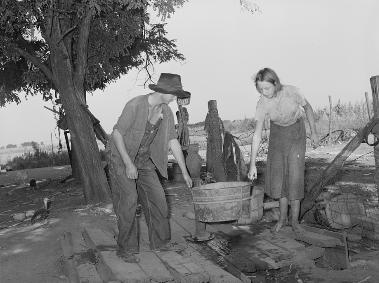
{"points": [[284, 109]]}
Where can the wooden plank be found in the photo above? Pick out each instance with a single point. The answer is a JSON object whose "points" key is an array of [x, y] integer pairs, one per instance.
{"points": [[111, 234], [277, 239], [216, 273], [149, 262], [336, 235], [304, 256], [85, 260], [298, 250], [103, 269], [123, 271], [68, 254], [154, 268], [258, 248], [238, 248], [308, 237], [251, 261], [106, 247], [183, 269], [100, 239]]}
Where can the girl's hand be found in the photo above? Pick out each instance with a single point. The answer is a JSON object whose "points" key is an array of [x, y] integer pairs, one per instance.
{"points": [[252, 175], [131, 171], [188, 180], [314, 140]]}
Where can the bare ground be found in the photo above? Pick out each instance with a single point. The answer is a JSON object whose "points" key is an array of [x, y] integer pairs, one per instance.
{"points": [[32, 253]]}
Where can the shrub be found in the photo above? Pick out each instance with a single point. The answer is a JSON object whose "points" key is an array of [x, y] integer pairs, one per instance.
{"points": [[39, 159]]}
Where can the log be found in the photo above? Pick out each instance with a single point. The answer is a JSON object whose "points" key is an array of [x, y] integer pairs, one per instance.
{"points": [[332, 169], [271, 204]]}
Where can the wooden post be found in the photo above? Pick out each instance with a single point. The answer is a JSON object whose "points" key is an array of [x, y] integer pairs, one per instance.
{"points": [[330, 121], [368, 105], [215, 132], [375, 103]]}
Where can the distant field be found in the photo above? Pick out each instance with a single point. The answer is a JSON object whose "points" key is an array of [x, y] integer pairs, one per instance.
{"points": [[10, 153]]}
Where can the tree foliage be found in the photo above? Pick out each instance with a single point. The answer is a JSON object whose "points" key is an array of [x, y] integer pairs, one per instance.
{"points": [[119, 38], [71, 47]]}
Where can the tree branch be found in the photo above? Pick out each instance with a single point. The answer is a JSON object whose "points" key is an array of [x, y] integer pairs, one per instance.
{"points": [[67, 32], [34, 60], [82, 48]]}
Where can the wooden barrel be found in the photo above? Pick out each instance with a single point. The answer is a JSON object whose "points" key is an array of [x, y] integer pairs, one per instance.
{"points": [[256, 204], [178, 176], [223, 201]]}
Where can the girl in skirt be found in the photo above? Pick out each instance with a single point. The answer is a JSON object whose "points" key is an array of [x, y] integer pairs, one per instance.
{"points": [[284, 106]]}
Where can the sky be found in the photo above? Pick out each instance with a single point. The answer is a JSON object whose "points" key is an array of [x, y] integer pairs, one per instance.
{"points": [[325, 48]]}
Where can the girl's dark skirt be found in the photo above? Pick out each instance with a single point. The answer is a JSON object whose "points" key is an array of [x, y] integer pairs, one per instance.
{"points": [[286, 161]]}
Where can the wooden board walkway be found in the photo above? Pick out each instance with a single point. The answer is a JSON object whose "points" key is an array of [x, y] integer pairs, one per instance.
{"points": [[90, 254], [256, 247]]}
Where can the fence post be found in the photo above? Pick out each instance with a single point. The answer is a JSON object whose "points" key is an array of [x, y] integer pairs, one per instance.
{"points": [[368, 105], [215, 132], [375, 103], [330, 122]]}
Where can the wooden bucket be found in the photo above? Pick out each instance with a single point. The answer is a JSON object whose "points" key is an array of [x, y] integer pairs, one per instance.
{"points": [[178, 176], [223, 201], [256, 204], [254, 212]]}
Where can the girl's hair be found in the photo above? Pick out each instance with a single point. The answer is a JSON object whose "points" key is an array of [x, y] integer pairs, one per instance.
{"points": [[267, 75]]}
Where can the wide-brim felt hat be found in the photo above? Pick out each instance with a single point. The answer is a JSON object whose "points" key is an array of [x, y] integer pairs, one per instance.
{"points": [[171, 84]]}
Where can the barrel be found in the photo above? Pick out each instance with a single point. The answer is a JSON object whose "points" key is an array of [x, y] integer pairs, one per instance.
{"points": [[223, 201], [178, 175], [256, 204]]}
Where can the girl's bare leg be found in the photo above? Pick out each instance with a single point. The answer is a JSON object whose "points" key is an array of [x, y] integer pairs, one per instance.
{"points": [[283, 219], [295, 210]]}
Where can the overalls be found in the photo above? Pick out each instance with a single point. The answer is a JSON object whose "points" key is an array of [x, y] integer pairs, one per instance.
{"points": [[151, 194]]}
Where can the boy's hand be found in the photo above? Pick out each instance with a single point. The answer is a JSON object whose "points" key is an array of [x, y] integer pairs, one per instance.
{"points": [[314, 140]]}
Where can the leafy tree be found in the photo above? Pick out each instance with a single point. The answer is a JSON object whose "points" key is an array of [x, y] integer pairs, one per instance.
{"points": [[71, 47], [11, 146], [25, 144]]}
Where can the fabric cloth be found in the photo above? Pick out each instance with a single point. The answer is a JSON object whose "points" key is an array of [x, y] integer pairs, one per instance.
{"points": [[131, 125], [284, 109], [286, 161]]}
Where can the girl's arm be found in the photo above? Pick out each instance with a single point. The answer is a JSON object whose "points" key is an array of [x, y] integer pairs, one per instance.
{"points": [[311, 119], [257, 137]]}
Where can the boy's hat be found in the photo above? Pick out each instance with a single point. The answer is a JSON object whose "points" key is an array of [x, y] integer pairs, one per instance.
{"points": [[171, 84]]}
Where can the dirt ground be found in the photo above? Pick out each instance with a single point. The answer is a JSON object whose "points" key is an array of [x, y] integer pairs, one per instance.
{"points": [[32, 253]]}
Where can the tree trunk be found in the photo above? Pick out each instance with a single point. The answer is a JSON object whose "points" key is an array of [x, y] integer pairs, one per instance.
{"points": [[86, 153], [74, 164], [338, 162]]}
